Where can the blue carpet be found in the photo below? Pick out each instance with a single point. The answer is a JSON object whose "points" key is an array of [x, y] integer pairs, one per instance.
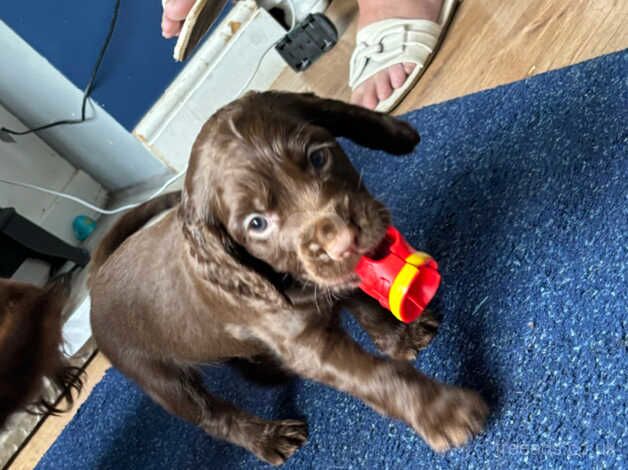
{"points": [[521, 194]]}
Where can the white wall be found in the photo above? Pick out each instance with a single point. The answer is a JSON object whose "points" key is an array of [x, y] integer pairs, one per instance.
{"points": [[30, 160], [36, 92]]}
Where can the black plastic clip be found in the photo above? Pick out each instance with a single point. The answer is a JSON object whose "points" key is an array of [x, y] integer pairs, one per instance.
{"points": [[307, 41]]}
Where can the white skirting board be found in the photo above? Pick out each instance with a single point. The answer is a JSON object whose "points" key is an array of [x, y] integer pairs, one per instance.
{"points": [[77, 329], [211, 79]]}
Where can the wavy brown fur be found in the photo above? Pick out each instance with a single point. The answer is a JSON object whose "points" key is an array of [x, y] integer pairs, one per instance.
{"points": [[130, 223], [30, 340]]}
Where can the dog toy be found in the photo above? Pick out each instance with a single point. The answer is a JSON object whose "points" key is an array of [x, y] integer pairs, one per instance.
{"points": [[83, 226], [400, 278]]}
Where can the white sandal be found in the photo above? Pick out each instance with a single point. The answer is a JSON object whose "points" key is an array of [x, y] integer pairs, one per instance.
{"points": [[197, 22], [395, 41]]}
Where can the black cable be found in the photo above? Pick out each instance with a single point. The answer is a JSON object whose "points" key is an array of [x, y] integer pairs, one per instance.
{"points": [[88, 89]]}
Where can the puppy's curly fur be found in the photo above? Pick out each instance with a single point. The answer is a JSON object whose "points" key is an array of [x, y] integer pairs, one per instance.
{"points": [[30, 341]]}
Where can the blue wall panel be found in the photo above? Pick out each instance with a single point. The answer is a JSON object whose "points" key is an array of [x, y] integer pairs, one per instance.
{"points": [[69, 33]]}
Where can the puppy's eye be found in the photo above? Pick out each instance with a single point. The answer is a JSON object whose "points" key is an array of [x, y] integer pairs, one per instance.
{"points": [[318, 159], [257, 224]]}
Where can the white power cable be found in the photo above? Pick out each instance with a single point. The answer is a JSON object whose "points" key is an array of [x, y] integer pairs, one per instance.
{"points": [[271, 47], [252, 76], [169, 181], [91, 206]]}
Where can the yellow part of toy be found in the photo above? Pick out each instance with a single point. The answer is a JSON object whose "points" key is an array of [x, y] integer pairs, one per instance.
{"points": [[418, 258], [402, 281]]}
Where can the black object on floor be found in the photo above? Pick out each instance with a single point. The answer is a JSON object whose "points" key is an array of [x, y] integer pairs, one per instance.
{"points": [[21, 239], [307, 41]]}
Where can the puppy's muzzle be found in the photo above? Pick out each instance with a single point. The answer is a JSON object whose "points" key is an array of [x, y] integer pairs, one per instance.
{"points": [[337, 238]]}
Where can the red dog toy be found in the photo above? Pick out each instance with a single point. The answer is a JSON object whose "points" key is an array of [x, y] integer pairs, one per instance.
{"points": [[400, 278]]}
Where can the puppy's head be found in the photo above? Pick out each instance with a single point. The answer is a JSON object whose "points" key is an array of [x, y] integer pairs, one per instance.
{"points": [[266, 174]]}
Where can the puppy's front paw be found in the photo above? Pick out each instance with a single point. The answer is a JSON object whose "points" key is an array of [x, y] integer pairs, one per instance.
{"points": [[406, 341], [279, 440], [451, 418]]}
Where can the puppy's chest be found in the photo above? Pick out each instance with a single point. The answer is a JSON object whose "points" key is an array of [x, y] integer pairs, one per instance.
{"points": [[307, 306], [310, 300]]}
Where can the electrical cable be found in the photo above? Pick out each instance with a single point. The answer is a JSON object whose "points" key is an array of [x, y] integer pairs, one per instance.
{"points": [[91, 206], [88, 89]]}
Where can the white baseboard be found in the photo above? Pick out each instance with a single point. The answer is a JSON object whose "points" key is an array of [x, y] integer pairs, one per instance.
{"points": [[77, 329], [211, 79]]}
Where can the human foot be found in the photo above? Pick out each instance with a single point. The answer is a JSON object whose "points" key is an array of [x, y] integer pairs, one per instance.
{"points": [[381, 85], [175, 12]]}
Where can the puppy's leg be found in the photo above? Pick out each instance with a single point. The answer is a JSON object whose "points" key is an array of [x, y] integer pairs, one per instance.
{"points": [[394, 338], [443, 415], [262, 369], [180, 390]]}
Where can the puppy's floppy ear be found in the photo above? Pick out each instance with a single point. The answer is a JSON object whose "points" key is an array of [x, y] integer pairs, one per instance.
{"points": [[365, 127], [218, 257], [201, 225]]}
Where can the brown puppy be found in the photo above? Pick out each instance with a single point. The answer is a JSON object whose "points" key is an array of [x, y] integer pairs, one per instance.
{"points": [[30, 338], [272, 220]]}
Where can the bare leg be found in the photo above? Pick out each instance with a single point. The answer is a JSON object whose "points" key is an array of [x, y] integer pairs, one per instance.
{"points": [[180, 391], [394, 338]]}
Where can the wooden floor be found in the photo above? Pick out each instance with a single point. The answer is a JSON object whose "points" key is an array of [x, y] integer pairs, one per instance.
{"points": [[53, 425], [491, 42]]}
